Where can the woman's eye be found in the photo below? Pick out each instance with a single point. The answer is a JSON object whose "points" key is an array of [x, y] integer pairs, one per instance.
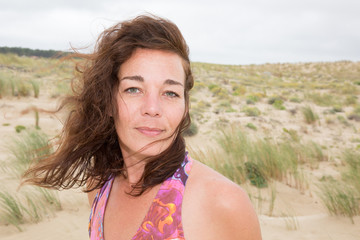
{"points": [[171, 94], [132, 90]]}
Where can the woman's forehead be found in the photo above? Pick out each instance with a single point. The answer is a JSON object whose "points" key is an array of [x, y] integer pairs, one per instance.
{"points": [[148, 64]]}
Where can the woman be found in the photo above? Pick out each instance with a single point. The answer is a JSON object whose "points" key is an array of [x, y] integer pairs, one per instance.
{"points": [[123, 139]]}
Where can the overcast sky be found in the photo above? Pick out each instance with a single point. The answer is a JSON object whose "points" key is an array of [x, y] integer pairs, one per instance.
{"points": [[221, 31]]}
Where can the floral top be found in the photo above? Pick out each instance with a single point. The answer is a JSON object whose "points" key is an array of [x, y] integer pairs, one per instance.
{"points": [[162, 221]]}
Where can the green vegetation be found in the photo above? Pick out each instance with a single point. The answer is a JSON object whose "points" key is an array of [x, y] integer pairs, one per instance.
{"points": [[218, 91], [31, 52], [192, 130], [277, 102], [339, 199], [343, 120], [28, 145], [252, 99], [261, 160], [309, 115], [26, 206], [254, 175], [12, 210], [36, 87], [350, 100], [325, 100], [295, 100], [20, 76], [224, 106], [251, 111], [294, 136], [342, 197], [19, 128], [355, 115], [251, 126], [238, 89]]}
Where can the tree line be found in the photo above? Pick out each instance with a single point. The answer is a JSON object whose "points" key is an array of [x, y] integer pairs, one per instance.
{"points": [[33, 52]]}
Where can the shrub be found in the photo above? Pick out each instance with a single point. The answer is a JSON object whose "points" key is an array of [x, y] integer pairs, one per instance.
{"points": [[251, 99], [295, 100], [226, 106], [343, 120], [192, 130], [254, 174], [272, 100], [23, 88], [293, 134], [251, 126], [309, 115], [19, 128], [348, 88], [350, 100], [337, 108], [354, 116], [251, 111], [278, 104], [325, 100], [218, 91], [199, 85], [238, 90]]}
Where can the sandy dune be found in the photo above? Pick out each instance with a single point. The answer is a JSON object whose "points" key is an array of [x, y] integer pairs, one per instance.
{"points": [[295, 216]]}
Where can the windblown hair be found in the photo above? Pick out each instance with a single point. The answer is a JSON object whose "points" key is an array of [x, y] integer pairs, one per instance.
{"points": [[88, 151]]}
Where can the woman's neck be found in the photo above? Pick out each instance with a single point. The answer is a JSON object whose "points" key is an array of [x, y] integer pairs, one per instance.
{"points": [[134, 167]]}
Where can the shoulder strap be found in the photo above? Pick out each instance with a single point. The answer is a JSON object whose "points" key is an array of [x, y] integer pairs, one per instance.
{"points": [[96, 218]]}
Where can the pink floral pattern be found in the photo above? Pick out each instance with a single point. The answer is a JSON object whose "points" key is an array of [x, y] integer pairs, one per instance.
{"points": [[163, 220]]}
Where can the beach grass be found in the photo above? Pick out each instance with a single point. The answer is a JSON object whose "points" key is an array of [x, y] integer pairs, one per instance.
{"points": [[342, 197], [36, 87], [18, 207], [309, 115], [339, 199], [259, 160], [29, 145], [27, 206], [12, 210]]}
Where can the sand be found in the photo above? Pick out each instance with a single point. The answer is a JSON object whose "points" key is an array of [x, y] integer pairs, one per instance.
{"points": [[296, 215]]}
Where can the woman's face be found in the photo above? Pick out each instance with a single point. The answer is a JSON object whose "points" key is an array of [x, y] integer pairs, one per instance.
{"points": [[150, 101]]}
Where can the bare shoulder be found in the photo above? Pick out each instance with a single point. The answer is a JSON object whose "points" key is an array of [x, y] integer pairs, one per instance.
{"points": [[222, 204]]}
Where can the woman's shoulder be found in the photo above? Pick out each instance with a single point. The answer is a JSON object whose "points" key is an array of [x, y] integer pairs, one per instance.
{"points": [[221, 203], [214, 184]]}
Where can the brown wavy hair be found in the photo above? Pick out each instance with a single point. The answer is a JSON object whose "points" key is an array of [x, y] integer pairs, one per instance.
{"points": [[88, 150]]}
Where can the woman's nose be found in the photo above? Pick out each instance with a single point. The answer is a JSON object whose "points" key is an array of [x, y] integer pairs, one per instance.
{"points": [[151, 105]]}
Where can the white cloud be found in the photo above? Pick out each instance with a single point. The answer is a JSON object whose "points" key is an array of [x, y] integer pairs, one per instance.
{"points": [[237, 32]]}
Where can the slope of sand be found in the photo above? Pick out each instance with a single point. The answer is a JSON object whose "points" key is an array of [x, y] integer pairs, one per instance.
{"points": [[295, 216]]}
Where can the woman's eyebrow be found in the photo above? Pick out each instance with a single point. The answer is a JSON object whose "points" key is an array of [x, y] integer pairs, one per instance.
{"points": [[141, 79], [172, 82], [136, 78]]}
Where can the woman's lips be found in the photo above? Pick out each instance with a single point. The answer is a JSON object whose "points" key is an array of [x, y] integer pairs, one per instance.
{"points": [[151, 132]]}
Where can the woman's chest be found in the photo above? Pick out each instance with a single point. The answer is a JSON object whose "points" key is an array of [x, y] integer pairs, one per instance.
{"points": [[125, 214]]}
